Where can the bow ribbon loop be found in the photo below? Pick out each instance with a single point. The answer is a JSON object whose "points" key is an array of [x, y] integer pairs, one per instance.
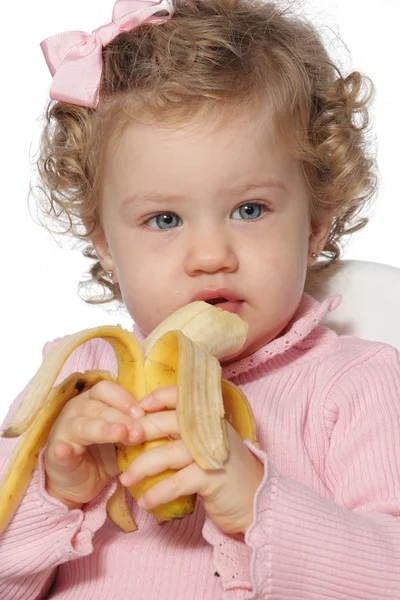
{"points": [[106, 33], [75, 59]]}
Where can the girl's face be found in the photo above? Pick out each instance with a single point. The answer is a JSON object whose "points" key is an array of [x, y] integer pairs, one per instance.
{"points": [[194, 209]]}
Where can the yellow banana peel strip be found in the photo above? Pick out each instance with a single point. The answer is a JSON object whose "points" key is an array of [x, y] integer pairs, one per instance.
{"points": [[127, 350]]}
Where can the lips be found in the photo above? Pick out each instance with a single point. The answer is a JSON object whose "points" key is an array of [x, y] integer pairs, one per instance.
{"points": [[222, 297], [213, 296]]}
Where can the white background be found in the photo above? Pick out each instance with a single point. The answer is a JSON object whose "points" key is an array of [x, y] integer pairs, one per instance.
{"points": [[39, 299]]}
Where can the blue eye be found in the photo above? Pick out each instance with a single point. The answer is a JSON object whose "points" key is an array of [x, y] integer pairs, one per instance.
{"points": [[250, 210], [164, 221]]}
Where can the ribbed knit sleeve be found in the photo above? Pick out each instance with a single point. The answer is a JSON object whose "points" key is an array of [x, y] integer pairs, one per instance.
{"points": [[346, 546], [55, 534]]}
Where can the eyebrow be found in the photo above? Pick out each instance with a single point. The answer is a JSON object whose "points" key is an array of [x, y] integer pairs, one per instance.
{"points": [[157, 197]]}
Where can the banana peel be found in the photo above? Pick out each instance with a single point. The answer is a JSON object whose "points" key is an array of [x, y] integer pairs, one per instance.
{"points": [[183, 351]]}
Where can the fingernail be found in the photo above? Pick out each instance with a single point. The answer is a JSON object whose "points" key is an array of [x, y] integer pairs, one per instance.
{"points": [[136, 412], [115, 427], [124, 478], [135, 432], [147, 401], [141, 502]]}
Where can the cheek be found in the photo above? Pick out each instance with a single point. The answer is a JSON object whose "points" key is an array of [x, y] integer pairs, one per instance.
{"points": [[146, 289], [130, 258], [288, 254], [299, 261]]}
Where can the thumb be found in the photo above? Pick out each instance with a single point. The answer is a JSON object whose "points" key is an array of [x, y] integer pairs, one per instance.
{"points": [[66, 455], [108, 457]]}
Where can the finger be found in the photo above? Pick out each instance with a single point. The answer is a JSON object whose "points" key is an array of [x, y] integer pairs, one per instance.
{"points": [[114, 395], [186, 481], [163, 398], [95, 409], [63, 455], [69, 456], [88, 407], [63, 452], [159, 425], [172, 455], [84, 432], [108, 457]]}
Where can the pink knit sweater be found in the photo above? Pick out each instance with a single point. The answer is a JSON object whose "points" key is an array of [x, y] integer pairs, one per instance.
{"points": [[326, 522]]}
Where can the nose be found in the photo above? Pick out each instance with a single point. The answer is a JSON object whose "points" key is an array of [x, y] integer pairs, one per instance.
{"points": [[209, 251]]}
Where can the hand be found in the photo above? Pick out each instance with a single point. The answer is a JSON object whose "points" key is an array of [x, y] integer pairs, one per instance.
{"points": [[80, 457], [227, 493]]}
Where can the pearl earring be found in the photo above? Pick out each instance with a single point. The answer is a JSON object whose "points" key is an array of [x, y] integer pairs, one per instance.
{"points": [[315, 254], [110, 274]]}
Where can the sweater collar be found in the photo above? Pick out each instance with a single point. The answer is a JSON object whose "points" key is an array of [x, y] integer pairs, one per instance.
{"points": [[307, 317]]}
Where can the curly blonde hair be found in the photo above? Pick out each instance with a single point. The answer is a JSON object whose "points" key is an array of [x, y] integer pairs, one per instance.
{"points": [[213, 55]]}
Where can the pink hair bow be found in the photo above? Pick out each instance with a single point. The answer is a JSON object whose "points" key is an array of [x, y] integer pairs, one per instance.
{"points": [[75, 57]]}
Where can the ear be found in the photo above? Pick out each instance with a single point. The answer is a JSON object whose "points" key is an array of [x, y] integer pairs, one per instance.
{"points": [[317, 240], [100, 244]]}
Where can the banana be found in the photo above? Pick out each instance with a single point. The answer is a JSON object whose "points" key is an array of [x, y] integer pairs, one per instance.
{"points": [[183, 351], [217, 331]]}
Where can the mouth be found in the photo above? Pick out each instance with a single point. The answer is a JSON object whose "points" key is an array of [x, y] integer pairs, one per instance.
{"points": [[222, 298], [230, 306], [215, 301]]}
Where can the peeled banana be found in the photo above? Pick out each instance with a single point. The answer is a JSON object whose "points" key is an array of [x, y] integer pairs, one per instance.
{"points": [[182, 351]]}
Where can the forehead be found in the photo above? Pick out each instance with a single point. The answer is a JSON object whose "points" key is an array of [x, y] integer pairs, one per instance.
{"points": [[236, 144], [201, 160]]}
